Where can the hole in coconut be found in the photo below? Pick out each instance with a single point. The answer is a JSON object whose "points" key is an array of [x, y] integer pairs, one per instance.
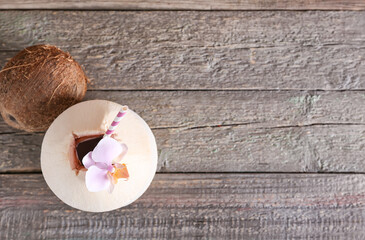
{"points": [[84, 147], [81, 147], [11, 118]]}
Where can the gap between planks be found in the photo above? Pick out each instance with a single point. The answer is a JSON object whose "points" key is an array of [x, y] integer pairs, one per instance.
{"points": [[228, 90], [210, 173], [218, 126], [205, 5]]}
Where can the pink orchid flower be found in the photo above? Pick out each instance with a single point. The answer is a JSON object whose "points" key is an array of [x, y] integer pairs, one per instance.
{"points": [[101, 172]]}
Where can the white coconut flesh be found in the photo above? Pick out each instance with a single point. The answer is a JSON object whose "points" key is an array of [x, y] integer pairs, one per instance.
{"points": [[92, 118]]}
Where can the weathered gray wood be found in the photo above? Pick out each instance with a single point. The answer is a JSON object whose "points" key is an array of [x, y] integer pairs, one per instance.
{"points": [[240, 148], [232, 131], [186, 5], [20, 153], [200, 50], [195, 206], [192, 109]]}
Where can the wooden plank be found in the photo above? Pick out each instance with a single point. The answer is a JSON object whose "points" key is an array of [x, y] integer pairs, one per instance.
{"points": [[194, 109], [192, 206], [20, 153], [232, 131], [200, 50], [238, 148], [186, 5]]}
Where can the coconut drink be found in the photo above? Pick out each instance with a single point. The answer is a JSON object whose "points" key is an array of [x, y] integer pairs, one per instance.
{"points": [[98, 156]]}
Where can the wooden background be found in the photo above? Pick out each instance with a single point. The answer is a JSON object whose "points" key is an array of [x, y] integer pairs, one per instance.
{"points": [[259, 117]]}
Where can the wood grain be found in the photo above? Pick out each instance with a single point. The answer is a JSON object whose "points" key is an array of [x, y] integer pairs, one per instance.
{"points": [[196, 109], [240, 148], [186, 5], [232, 131], [195, 206], [200, 50]]}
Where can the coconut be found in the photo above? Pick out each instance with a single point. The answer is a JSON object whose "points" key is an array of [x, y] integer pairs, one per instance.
{"points": [[63, 171], [37, 85]]}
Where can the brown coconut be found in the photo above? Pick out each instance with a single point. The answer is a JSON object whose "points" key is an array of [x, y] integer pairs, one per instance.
{"points": [[37, 85]]}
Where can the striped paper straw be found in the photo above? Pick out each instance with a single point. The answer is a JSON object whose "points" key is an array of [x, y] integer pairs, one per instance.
{"points": [[116, 121]]}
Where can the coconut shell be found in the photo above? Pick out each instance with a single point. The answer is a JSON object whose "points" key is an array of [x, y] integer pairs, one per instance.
{"points": [[92, 118], [38, 84]]}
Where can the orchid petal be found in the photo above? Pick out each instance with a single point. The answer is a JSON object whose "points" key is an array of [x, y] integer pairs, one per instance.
{"points": [[106, 150], [124, 149], [119, 165], [97, 179], [87, 160], [122, 154], [111, 185], [102, 165]]}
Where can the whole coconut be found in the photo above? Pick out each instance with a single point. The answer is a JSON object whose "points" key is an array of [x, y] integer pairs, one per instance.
{"points": [[37, 85]]}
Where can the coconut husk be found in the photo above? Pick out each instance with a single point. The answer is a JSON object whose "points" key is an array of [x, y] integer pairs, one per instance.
{"points": [[38, 84]]}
